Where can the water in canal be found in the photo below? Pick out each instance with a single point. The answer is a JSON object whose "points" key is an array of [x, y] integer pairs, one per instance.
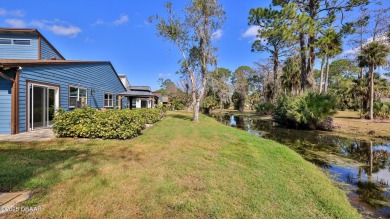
{"points": [[361, 167]]}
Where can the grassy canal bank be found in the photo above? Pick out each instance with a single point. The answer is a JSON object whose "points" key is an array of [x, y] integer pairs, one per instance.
{"points": [[177, 168]]}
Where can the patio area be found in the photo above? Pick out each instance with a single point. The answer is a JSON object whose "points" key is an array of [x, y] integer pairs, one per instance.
{"points": [[37, 135]]}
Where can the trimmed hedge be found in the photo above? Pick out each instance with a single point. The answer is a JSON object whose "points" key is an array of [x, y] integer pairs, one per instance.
{"points": [[109, 124]]}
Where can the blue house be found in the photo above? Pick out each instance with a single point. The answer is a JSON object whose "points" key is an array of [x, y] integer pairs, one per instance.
{"points": [[35, 80]]}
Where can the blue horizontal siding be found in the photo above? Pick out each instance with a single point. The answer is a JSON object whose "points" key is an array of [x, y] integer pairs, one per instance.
{"points": [[18, 51], [5, 104], [47, 52], [100, 77]]}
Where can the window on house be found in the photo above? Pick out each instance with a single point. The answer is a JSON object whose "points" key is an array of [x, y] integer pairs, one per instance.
{"points": [[108, 100], [77, 97], [5, 41], [22, 42]]}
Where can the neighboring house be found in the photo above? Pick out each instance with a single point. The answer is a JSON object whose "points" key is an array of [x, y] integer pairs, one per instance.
{"points": [[165, 100], [35, 80], [159, 98], [125, 81], [139, 97]]}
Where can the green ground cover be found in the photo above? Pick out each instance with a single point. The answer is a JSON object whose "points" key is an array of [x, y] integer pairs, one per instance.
{"points": [[176, 168]]}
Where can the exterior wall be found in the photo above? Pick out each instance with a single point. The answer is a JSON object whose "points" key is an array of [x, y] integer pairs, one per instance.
{"points": [[5, 103], [124, 80], [100, 77], [19, 51], [47, 52]]}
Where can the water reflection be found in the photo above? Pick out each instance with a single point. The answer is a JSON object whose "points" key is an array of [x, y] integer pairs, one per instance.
{"points": [[363, 165]]}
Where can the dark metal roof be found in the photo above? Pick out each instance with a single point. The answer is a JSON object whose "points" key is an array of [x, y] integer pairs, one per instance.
{"points": [[137, 94], [140, 88]]}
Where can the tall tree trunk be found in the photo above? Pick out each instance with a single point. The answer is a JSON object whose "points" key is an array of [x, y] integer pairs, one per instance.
{"points": [[327, 74], [322, 72], [241, 102], [311, 61], [313, 11], [196, 111], [303, 61], [372, 93], [276, 66]]}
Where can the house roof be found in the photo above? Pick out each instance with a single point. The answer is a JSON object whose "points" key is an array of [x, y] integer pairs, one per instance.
{"points": [[140, 88], [9, 63], [33, 31], [137, 94], [157, 94], [12, 63]]}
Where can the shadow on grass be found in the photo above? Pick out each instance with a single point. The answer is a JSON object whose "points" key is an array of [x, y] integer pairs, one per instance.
{"points": [[183, 117], [19, 166]]}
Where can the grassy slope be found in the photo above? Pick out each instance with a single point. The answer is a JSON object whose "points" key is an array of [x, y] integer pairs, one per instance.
{"points": [[175, 169]]}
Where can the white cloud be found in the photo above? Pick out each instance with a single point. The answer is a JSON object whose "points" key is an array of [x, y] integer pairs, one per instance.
{"points": [[161, 75], [355, 51], [122, 20], [98, 22], [89, 40], [217, 34], [70, 30], [58, 27], [251, 32], [15, 23], [15, 13]]}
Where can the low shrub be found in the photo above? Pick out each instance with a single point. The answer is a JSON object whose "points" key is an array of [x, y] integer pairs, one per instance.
{"points": [[109, 124], [382, 110], [265, 108], [308, 111]]}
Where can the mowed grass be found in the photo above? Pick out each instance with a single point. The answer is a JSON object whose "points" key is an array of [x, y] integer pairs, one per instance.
{"points": [[350, 124], [178, 169]]}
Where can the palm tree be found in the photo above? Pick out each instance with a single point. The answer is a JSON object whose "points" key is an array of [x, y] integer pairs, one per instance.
{"points": [[373, 55], [333, 48], [290, 78]]}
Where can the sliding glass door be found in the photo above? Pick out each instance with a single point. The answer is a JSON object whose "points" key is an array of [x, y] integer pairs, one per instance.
{"points": [[43, 103]]}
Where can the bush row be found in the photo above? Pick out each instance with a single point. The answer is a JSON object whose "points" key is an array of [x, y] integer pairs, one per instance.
{"points": [[109, 124]]}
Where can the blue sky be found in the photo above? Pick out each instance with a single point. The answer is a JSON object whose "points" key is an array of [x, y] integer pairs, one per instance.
{"points": [[118, 31]]}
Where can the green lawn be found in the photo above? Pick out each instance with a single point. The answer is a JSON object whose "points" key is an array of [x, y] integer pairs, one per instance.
{"points": [[177, 168]]}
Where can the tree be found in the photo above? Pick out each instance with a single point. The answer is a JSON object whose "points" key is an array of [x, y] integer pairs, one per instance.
{"points": [[240, 83], [305, 19], [271, 37], [220, 82], [372, 56], [193, 35], [290, 79], [332, 46]]}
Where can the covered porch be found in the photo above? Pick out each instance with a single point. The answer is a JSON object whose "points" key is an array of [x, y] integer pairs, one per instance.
{"points": [[138, 99]]}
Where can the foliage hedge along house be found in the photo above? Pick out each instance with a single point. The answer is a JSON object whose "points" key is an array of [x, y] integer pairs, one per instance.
{"points": [[35, 80]]}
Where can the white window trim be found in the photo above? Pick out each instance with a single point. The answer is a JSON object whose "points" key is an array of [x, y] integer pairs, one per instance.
{"points": [[12, 42], [112, 100], [78, 95]]}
